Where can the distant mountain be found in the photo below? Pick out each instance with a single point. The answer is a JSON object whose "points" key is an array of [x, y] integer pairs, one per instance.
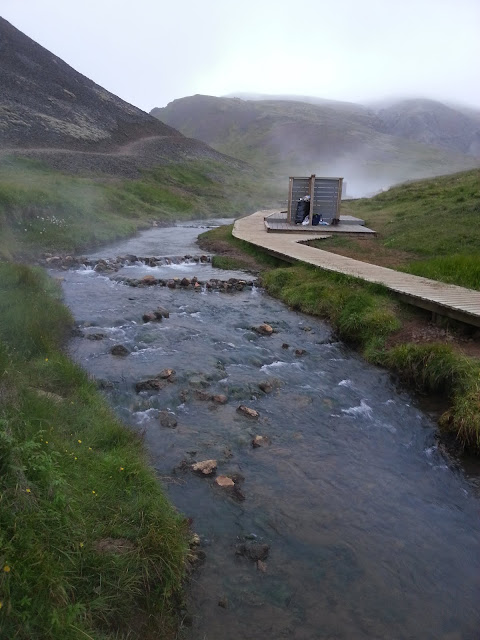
{"points": [[302, 137], [50, 111], [435, 124]]}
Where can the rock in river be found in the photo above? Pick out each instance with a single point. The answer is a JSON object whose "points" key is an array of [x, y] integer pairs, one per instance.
{"points": [[266, 386], [252, 550], [247, 411], [119, 350], [224, 481], [166, 373], [206, 467], [167, 420], [264, 329], [154, 384]]}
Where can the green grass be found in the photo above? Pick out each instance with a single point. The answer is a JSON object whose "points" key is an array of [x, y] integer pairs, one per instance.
{"points": [[436, 220], [71, 476], [463, 270], [232, 264], [45, 210]]}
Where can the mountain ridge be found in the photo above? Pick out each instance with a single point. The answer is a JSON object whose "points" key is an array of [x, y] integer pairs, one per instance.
{"points": [[291, 137]]}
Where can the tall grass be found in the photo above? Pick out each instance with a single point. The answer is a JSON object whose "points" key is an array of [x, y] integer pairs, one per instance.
{"points": [[463, 270], [89, 545]]}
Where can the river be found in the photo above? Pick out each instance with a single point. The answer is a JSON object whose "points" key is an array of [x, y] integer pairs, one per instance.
{"points": [[372, 532]]}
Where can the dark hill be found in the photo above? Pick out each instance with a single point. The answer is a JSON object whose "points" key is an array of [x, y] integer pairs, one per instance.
{"points": [[328, 138], [435, 124], [50, 111]]}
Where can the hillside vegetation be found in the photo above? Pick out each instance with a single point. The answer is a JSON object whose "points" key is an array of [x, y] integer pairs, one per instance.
{"points": [[42, 209], [429, 228]]}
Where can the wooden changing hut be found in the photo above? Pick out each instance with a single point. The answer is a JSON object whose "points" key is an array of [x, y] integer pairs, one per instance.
{"points": [[325, 196]]}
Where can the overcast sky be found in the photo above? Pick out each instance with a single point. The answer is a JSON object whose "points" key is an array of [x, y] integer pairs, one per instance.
{"points": [[150, 52]]}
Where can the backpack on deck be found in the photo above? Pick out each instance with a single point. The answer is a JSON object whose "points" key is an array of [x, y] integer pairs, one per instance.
{"points": [[303, 209]]}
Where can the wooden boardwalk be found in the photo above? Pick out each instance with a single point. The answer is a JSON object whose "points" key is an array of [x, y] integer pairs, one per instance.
{"points": [[448, 300]]}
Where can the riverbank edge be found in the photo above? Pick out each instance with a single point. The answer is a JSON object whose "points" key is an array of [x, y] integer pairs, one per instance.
{"points": [[89, 543], [372, 320]]}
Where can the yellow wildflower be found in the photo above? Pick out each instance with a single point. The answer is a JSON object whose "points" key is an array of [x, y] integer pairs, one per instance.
{"points": [[6, 568], [81, 545], [122, 469], [46, 359], [93, 492], [28, 490], [79, 441]]}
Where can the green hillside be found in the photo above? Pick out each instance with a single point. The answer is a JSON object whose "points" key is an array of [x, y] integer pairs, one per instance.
{"points": [[42, 209], [429, 228]]}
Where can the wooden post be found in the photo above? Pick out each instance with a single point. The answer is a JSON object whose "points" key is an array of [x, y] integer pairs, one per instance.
{"points": [[339, 198], [312, 196], [290, 203]]}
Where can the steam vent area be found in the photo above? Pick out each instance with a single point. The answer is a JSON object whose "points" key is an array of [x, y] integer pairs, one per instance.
{"points": [[314, 207]]}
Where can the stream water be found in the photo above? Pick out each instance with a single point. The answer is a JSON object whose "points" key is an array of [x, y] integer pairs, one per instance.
{"points": [[373, 534]]}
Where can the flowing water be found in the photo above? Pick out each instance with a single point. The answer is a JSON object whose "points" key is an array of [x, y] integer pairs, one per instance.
{"points": [[373, 534]]}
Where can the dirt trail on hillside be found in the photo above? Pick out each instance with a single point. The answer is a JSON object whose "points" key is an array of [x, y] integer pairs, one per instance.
{"points": [[126, 161]]}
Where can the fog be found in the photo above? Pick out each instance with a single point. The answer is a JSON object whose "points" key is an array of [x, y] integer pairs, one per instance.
{"points": [[150, 53]]}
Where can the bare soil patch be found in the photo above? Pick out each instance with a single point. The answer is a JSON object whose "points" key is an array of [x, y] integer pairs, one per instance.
{"points": [[418, 329]]}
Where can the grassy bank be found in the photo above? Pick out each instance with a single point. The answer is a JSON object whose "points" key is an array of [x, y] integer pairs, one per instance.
{"points": [[89, 545], [370, 318], [45, 210], [428, 227]]}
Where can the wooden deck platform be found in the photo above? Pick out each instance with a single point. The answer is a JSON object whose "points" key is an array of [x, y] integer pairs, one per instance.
{"points": [[442, 299], [277, 223]]}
